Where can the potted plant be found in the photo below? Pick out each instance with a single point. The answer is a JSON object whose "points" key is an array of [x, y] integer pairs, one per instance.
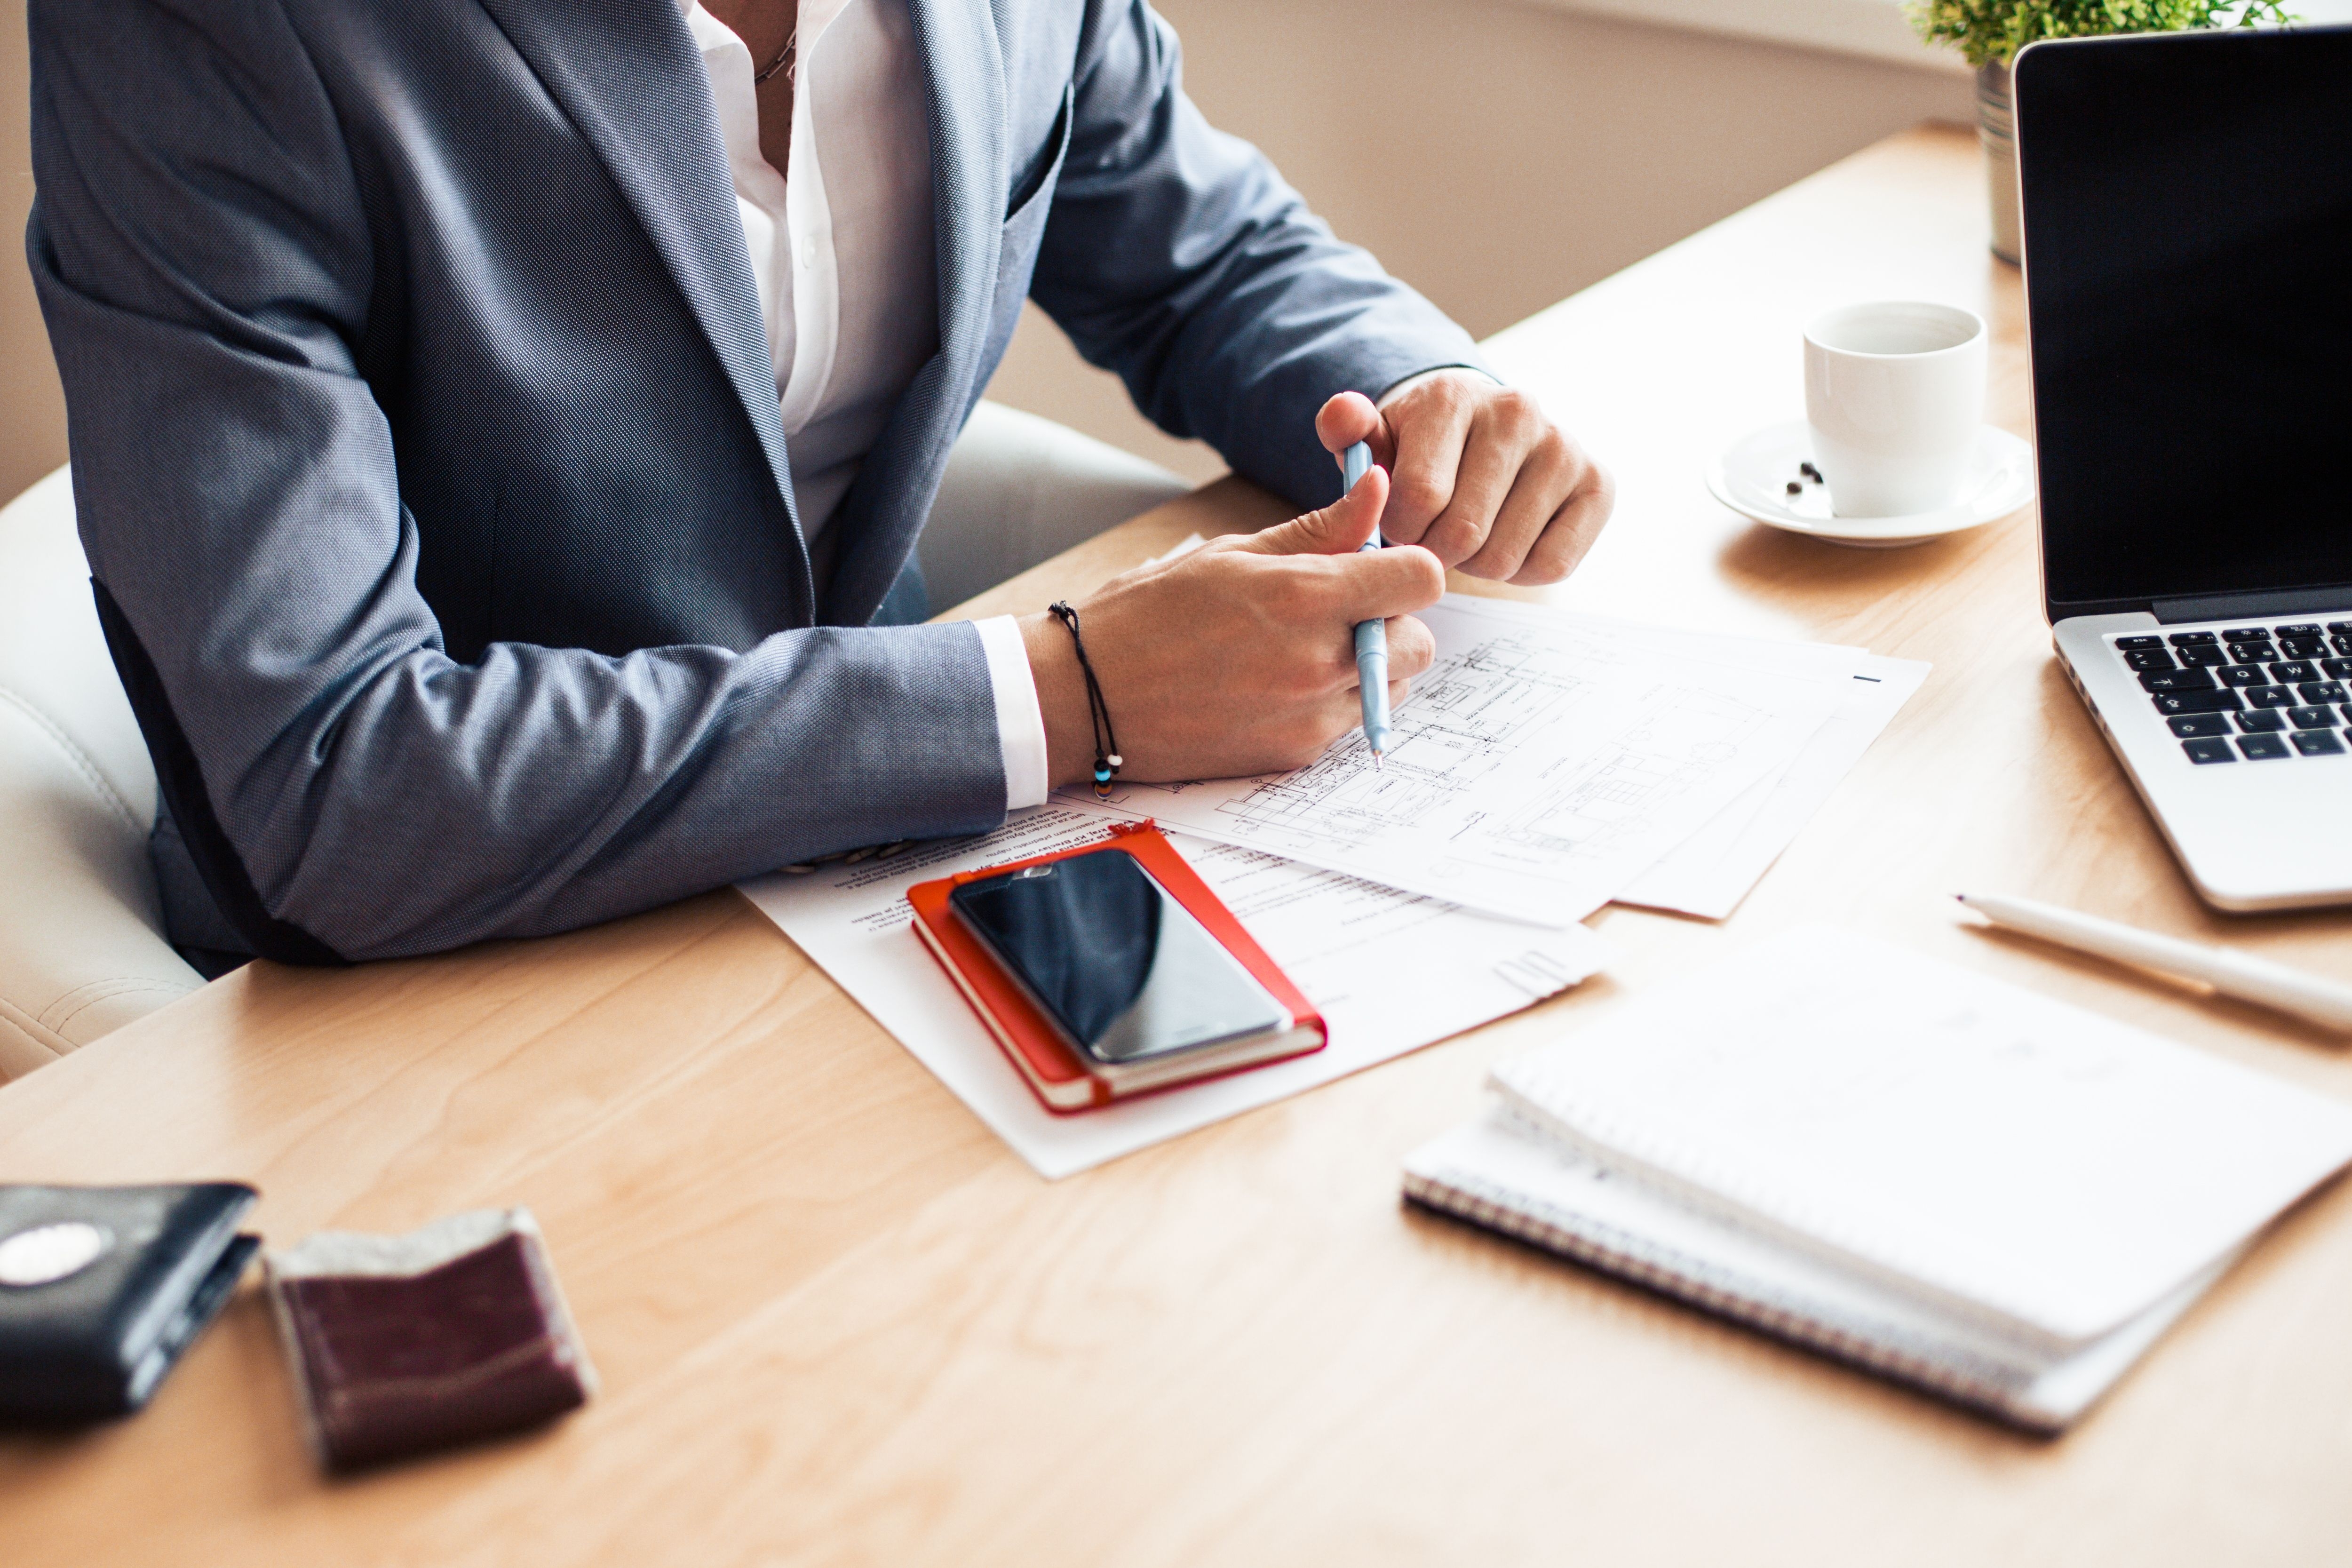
{"points": [[1988, 33]]}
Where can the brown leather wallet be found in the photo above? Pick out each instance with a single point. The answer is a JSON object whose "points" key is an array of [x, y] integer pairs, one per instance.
{"points": [[403, 1344]]}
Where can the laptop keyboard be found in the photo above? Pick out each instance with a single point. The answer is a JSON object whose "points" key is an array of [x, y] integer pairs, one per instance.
{"points": [[2249, 693]]}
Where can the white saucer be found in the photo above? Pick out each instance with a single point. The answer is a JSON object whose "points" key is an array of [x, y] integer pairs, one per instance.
{"points": [[1752, 479]]}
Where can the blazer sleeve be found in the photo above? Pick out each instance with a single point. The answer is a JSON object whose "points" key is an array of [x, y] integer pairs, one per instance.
{"points": [[206, 268], [1175, 255]]}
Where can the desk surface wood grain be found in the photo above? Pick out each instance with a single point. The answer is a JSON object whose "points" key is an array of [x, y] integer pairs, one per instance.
{"points": [[838, 1322]]}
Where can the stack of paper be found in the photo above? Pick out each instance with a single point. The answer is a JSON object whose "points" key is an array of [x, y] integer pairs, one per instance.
{"points": [[1918, 1169], [1549, 763]]}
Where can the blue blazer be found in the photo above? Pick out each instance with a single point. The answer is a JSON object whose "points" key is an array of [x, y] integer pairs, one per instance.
{"points": [[427, 456]]}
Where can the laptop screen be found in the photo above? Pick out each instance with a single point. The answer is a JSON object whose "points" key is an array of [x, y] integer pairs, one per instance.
{"points": [[2188, 203]]}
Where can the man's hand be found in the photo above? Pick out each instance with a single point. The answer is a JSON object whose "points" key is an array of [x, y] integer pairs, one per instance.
{"points": [[1481, 479], [1240, 656]]}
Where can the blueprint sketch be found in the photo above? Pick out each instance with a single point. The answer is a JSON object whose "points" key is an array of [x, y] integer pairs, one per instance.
{"points": [[1544, 763]]}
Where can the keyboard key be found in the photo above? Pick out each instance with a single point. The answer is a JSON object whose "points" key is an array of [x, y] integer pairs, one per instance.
{"points": [[2263, 748], [2253, 652], [2310, 743], [2341, 628], [2322, 691], [2203, 656], [2336, 669], [2312, 718], [2204, 751], [2190, 726], [2268, 697], [2171, 702], [2246, 633], [2295, 670], [2341, 643], [2299, 629], [2177, 680], [2191, 639], [2244, 675], [2149, 658], [2262, 721], [2303, 648], [2127, 643]]}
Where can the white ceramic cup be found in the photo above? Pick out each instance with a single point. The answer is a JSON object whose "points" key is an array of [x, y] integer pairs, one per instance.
{"points": [[1894, 393]]}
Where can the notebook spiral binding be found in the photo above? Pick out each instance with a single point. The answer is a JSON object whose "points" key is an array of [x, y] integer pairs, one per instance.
{"points": [[1880, 1348]]}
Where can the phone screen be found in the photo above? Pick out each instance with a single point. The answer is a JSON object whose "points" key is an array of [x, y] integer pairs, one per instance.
{"points": [[1114, 960]]}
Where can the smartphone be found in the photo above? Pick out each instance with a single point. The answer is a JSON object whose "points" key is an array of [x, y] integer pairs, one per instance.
{"points": [[1122, 969]]}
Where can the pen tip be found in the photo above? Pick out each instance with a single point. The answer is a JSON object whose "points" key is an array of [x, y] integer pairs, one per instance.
{"points": [[1376, 762]]}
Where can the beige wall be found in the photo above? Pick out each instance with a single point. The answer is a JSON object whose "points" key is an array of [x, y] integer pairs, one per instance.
{"points": [[32, 410], [1498, 156]]}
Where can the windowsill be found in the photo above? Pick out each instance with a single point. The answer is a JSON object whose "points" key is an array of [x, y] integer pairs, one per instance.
{"points": [[1874, 28]]}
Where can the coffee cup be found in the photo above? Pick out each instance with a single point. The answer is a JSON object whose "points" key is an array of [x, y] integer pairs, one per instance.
{"points": [[1895, 393]]}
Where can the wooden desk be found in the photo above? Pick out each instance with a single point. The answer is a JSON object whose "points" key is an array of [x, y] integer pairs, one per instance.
{"points": [[838, 1322]]}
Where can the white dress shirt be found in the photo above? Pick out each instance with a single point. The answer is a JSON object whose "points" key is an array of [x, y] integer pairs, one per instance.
{"points": [[842, 251]]}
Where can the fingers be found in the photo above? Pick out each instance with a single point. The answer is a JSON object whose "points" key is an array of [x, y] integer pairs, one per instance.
{"points": [[1572, 531], [1345, 420], [1430, 446], [1547, 477], [1412, 649], [1359, 587], [1381, 584], [1335, 530], [1506, 431], [1348, 418]]}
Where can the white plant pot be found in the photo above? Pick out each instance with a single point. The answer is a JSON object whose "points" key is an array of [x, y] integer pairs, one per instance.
{"points": [[1997, 130]]}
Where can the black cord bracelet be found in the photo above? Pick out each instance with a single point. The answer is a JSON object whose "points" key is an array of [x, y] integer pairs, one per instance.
{"points": [[1108, 762]]}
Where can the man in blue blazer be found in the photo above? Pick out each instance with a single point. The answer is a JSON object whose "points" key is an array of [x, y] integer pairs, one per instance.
{"points": [[443, 521]]}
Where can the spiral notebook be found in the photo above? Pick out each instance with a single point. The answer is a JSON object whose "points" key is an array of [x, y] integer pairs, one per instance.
{"points": [[1912, 1166]]}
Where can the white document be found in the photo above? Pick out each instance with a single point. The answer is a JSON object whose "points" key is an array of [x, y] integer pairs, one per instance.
{"points": [[1709, 872], [2053, 1171], [1542, 764], [1390, 972]]}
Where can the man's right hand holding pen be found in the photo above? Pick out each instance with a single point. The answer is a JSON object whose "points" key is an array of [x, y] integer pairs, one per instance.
{"points": [[1237, 658], [1240, 657]]}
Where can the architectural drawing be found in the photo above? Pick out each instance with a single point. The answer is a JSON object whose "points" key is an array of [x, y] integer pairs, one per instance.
{"points": [[1541, 765]]}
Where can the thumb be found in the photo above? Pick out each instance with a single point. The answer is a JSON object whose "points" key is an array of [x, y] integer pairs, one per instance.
{"points": [[1335, 530]]}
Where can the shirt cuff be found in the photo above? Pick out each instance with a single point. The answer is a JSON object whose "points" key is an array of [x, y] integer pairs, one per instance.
{"points": [[1020, 721], [1398, 390]]}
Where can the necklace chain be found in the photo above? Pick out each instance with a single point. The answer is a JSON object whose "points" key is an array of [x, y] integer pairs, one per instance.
{"points": [[773, 65]]}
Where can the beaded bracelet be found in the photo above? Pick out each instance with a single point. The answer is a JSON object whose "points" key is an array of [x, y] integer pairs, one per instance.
{"points": [[1108, 760]]}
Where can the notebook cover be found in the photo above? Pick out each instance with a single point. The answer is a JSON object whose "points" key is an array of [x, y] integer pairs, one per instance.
{"points": [[1051, 1070], [1502, 1173]]}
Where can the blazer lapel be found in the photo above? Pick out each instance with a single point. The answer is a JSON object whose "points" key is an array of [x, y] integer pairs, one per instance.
{"points": [[965, 74], [963, 69], [627, 75]]}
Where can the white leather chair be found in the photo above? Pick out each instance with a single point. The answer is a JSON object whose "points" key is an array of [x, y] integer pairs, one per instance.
{"points": [[80, 945], [81, 949], [1020, 489]]}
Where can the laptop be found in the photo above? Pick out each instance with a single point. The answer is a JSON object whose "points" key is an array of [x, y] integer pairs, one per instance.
{"points": [[2188, 221]]}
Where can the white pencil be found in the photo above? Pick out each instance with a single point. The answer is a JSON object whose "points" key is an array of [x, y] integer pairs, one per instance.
{"points": [[2327, 1003]]}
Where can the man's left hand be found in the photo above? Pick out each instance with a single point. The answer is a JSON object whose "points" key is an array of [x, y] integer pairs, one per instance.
{"points": [[1478, 476]]}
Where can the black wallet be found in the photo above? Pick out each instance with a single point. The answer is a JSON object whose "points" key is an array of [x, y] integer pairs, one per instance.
{"points": [[102, 1287]]}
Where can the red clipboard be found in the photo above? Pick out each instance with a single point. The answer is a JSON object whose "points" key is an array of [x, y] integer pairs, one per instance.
{"points": [[1051, 1069]]}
